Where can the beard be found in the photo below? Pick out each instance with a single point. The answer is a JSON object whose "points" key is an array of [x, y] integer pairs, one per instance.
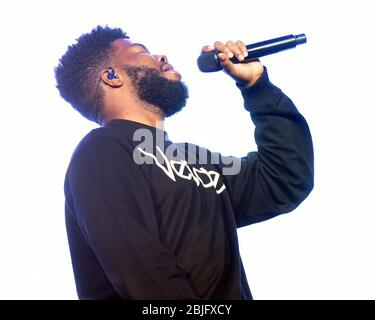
{"points": [[168, 96]]}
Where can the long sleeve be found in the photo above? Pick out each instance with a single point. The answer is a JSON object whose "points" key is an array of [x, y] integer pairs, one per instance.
{"points": [[279, 176], [110, 210]]}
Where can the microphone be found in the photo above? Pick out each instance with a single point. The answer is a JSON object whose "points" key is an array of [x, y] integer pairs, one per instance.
{"points": [[209, 62]]}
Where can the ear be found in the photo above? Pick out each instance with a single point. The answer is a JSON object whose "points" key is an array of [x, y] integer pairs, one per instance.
{"points": [[112, 79]]}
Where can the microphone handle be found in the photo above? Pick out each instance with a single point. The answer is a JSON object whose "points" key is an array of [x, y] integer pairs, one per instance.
{"points": [[267, 47], [209, 62]]}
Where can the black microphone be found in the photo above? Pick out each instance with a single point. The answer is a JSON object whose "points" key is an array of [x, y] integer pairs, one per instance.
{"points": [[209, 62]]}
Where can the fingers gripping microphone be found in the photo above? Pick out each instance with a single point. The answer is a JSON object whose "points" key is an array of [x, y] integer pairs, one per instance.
{"points": [[209, 62]]}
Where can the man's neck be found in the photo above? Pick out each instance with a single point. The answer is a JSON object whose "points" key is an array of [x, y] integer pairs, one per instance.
{"points": [[156, 122], [144, 116], [134, 110]]}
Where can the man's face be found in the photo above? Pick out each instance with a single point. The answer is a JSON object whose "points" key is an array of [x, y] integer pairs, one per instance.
{"points": [[153, 78], [137, 55]]}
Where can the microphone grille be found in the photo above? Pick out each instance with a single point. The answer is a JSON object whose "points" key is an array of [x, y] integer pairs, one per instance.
{"points": [[207, 62]]}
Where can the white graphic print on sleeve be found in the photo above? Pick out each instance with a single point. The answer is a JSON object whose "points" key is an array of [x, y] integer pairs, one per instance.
{"points": [[180, 168]]}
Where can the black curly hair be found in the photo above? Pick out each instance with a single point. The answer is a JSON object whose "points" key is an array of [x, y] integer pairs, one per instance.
{"points": [[77, 73]]}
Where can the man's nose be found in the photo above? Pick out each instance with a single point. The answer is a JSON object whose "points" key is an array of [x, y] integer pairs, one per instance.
{"points": [[161, 58]]}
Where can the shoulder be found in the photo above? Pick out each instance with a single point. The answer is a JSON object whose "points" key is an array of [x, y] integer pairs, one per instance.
{"points": [[100, 150], [99, 142]]}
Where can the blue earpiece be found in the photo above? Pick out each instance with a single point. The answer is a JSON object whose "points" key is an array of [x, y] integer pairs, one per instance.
{"points": [[112, 75]]}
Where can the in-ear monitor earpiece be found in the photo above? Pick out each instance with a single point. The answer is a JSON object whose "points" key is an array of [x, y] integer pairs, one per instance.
{"points": [[112, 75]]}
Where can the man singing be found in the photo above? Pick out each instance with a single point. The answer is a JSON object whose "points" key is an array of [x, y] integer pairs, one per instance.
{"points": [[150, 219]]}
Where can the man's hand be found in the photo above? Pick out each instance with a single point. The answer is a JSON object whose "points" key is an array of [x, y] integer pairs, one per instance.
{"points": [[245, 74]]}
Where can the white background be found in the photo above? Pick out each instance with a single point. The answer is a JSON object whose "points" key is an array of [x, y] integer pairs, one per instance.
{"points": [[323, 250]]}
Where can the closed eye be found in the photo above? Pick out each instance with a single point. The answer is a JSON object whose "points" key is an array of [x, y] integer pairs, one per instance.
{"points": [[140, 48]]}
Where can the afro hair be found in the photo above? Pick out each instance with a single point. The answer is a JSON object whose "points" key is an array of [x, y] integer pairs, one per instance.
{"points": [[77, 74]]}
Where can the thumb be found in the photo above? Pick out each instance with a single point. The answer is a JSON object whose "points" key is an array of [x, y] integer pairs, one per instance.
{"points": [[207, 49]]}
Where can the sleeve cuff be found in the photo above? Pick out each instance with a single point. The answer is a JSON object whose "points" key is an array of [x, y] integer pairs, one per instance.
{"points": [[261, 94]]}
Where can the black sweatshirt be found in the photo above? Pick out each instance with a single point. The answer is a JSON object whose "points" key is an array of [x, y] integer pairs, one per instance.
{"points": [[150, 219]]}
